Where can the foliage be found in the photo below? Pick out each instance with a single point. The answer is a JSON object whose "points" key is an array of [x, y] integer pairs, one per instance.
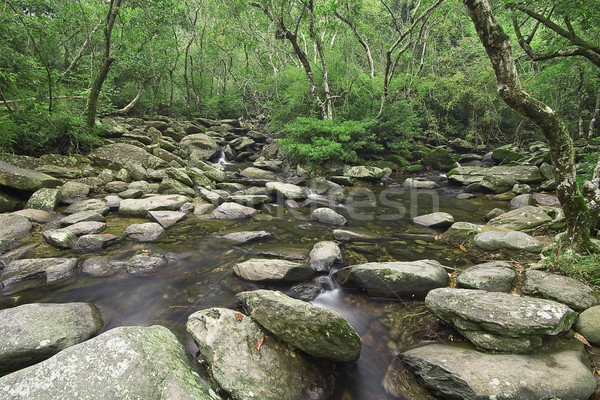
{"points": [[397, 126], [316, 142], [579, 266]]}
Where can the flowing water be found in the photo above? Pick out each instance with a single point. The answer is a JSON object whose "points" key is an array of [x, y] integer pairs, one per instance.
{"points": [[199, 274]]}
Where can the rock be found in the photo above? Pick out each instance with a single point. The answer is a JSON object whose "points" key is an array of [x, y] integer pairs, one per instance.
{"points": [[33, 332], [546, 200], [172, 186], [520, 201], [141, 207], [121, 155], [199, 178], [415, 183], [61, 238], [86, 228], [248, 236], [74, 191], [323, 255], [212, 196], [494, 276], [521, 188], [123, 363], [166, 219], [319, 332], [116, 186], [496, 212], [271, 270], [250, 200], [356, 234], [38, 216], [146, 232], [167, 156], [523, 218], [362, 172], [25, 179], [588, 325], [327, 216], [518, 173], [98, 266], [435, 220], [241, 143], [96, 242], [205, 146], [201, 209], [271, 165], [560, 288], [439, 159], [500, 321], [394, 280], [257, 173], [26, 273], [179, 174], [130, 194], [506, 153], [211, 172], [494, 184], [275, 372], [82, 216], [13, 227], [547, 171], [287, 190], [142, 263], [232, 211], [458, 371], [8, 202], [96, 205], [514, 240], [44, 199]]}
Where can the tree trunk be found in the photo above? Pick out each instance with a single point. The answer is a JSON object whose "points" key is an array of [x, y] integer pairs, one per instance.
{"points": [[595, 116], [497, 46], [107, 61], [132, 103], [362, 42]]}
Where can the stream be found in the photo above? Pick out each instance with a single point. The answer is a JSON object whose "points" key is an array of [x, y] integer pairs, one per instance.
{"points": [[199, 274]]}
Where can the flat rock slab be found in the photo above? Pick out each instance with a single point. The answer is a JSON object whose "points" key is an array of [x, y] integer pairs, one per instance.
{"points": [[122, 155], [257, 173], [412, 183], [141, 207], [287, 190], [86, 228], [143, 263], [514, 240], [523, 218], [96, 242], [271, 270], [435, 220], [452, 371], [519, 173], [317, 331], [61, 238], [494, 276], [96, 205], [146, 232], [82, 216], [34, 332], [500, 321], [23, 274], [394, 280], [14, 227], [362, 172], [249, 200], [248, 236], [25, 179], [167, 219], [229, 341], [122, 363], [328, 216], [324, 255], [560, 288], [357, 234], [231, 211], [34, 215]]}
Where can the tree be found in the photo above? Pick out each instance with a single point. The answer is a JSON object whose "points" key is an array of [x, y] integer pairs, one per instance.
{"points": [[580, 207]]}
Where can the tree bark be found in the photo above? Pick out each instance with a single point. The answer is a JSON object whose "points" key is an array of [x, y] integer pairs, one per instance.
{"points": [[362, 42], [595, 116], [498, 48]]}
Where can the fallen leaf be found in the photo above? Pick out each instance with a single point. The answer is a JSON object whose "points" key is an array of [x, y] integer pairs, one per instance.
{"points": [[437, 237], [260, 342], [239, 316], [582, 339], [463, 248], [109, 234]]}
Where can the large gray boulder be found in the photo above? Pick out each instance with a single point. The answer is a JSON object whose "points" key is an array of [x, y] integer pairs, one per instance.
{"points": [[121, 155], [518, 173], [560, 288], [328, 216], [25, 179], [273, 270], [250, 363], [86, 228], [357, 234], [73, 191], [248, 236], [96, 205], [287, 190], [167, 219], [140, 207], [435, 220], [396, 279], [362, 172], [96, 242], [26, 273], [82, 216], [146, 232], [493, 276], [324, 254], [14, 227], [258, 173], [588, 325], [124, 363], [230, 211], [146, 262], [452, 371], [500, 321], [514, 240], [44, 199], [201, 144], [317, 331], [522, 218], [33, 332], [61, 238]]}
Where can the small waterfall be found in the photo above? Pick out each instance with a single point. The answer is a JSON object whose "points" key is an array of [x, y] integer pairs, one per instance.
{"points": [[222, 157]]}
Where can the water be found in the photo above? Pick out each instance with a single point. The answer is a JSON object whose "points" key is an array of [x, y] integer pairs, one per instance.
{"points": [[200, 276]]}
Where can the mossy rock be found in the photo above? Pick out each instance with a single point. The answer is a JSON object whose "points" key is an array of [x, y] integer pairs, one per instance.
{"points": [[439, 159], [385, 164], [414, 168]]}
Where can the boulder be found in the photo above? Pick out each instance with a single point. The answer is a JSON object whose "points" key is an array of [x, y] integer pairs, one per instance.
{"points": [[44, 199], [416, 183], [519, 173], [99, 266], [204, 146], [439, 159], [145, 262], [435, 220], [250, 363], [241, 143], [362, 172], [273, 270], [212, 196], [82, 216], [249, 200], [396, 279], [199, 178], [96, 241], [500, 321], [494, 276], [25, 179], [588, 325], [506, 153], [13, 227], [287, 190], [496, 212], [494, 184], [458, 371], [96, 205], [514, 240], [39, 216], [86, 228], [560, 288], [116, 186], [324, 255], [166, 219], [231, 211], [522, 200], [523, 218], [121, 156], [212, 172], [357, 234], [123, 363], [74, 191], [248, 236], [141, 207], [146, 232], [172, 186], [319, 332], [26, 273], [34, 332], [328, 216], [257, 173], [61, 238]]}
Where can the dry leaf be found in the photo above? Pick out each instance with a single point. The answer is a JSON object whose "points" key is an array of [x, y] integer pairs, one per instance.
{"points": [[582, 339], [260, 342], [239, 316], [463, 248]]}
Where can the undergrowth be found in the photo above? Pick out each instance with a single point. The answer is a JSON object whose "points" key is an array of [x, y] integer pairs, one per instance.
{"points": [[584, 267]]}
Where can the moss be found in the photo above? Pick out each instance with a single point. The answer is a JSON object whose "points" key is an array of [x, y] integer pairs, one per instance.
{"points": [[414, 168]]}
